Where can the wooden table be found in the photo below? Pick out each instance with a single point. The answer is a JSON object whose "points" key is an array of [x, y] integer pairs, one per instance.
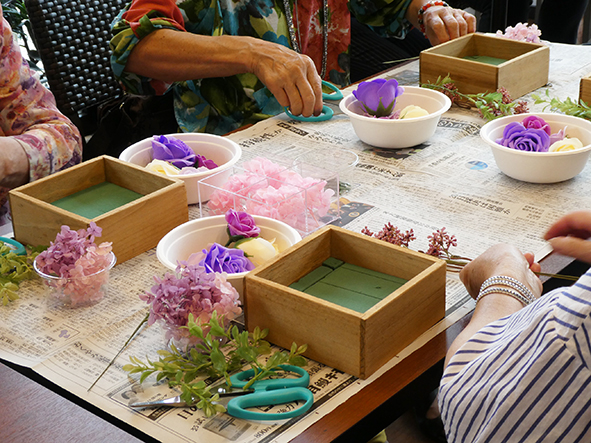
{"points": [[34, 409]]}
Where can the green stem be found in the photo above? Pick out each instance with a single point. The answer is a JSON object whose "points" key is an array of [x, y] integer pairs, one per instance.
{"points": [[559, 276], [144, 321], [454, 265]]}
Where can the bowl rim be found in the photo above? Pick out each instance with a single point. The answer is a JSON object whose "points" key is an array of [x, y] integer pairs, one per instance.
{"points": [[237, 154], [300, 158], [215, 218], [345, 102], [80, 277], [549, 115]]}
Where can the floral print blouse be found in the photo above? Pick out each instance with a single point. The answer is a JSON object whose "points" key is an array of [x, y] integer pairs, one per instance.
{"points": [[29, 114], [220, 105]]}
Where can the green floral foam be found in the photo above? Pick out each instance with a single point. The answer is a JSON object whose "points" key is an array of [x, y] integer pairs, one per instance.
{"points": [[97, 200], [348, 285], [485, 59]]}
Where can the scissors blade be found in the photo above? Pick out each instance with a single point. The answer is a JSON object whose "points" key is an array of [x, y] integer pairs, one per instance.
{"points": [[172, 402], [334, 105], [225, 390]]}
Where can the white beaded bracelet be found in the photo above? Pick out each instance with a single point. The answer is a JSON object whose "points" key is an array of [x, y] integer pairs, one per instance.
{"points": [[512, 292], [510, 282]]}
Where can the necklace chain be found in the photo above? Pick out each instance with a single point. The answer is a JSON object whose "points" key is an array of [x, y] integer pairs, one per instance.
{"points": [[295, 43]]}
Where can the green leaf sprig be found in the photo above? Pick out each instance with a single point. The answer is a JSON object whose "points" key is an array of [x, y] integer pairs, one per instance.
{"points": [[568, 106], [490, 104], [220, 353], [14, 269]]}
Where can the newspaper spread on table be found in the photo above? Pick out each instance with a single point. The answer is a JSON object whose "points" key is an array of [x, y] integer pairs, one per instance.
{"points": [[449, 182]]}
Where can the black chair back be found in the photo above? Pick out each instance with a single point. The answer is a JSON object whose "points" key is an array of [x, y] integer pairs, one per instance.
{"points": [[73, 42]]}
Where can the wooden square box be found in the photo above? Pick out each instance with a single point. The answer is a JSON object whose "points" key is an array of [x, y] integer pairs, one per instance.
{"points": [[133, 228], [353, 342], [585, 90], [525, 69]]}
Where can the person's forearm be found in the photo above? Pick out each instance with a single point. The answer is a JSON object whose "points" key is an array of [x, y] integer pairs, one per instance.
{"points": [[170, 56], [14, 163], [488, 309]]}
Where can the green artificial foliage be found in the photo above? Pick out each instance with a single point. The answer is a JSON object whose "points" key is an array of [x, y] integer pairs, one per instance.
{"points": [[491, 105], [14, 269], [220, 353], [568, 106]]}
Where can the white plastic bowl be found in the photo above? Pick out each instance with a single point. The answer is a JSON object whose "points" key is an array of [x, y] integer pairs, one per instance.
{"points": [[540, 167], [401, 133], [195, 235], [223, 151]]}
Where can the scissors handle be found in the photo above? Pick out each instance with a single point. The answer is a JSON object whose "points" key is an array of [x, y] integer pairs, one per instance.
{"points": [[327, 113], [240, 379], [335, 95], [16, 247], [276, 391], [237, 407]]}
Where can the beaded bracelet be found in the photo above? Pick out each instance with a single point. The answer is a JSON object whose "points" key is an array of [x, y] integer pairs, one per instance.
{"points": [[424, 8], [511, 282], [512, 292]]}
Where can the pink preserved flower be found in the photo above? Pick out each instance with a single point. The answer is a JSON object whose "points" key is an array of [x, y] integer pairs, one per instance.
{"points": [[190, 290], [440, 242], [74, 267], [522, 33], [535, 122], [392, 234], [241, 224], [74, 252], [271, 190]]}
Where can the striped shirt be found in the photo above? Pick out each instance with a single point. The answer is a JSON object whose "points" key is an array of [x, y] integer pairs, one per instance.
{"points": [[525, 377]]}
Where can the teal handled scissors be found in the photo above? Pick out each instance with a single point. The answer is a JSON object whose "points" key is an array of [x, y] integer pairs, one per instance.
{"points": [[327, 112], [14, 246], [261, 393]]}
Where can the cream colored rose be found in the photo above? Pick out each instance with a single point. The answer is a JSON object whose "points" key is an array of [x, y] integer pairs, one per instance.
{"points": [[258, 250], [566, 144], [162, 167], [412, 111]]}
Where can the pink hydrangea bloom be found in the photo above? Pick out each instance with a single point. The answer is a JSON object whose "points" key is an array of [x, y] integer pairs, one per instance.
{"points": [[190, 290], [522, 33], [271, 190], [76, 268]]}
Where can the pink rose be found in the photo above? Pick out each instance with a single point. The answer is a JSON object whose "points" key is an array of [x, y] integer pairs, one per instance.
{"points": [[534, 122], [241, 224]]}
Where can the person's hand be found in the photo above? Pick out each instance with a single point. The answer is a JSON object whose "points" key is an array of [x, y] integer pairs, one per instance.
{"points": [[501, 259], [291, 77], [443, 24], [568, 236], [14, 163]]}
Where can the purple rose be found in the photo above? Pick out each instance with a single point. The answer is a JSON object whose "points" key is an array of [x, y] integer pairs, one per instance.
{"points": [[378, 96], [241, 224], [535, 122], [221, 259], [202, 161], [172, 150], [517, 136]]}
